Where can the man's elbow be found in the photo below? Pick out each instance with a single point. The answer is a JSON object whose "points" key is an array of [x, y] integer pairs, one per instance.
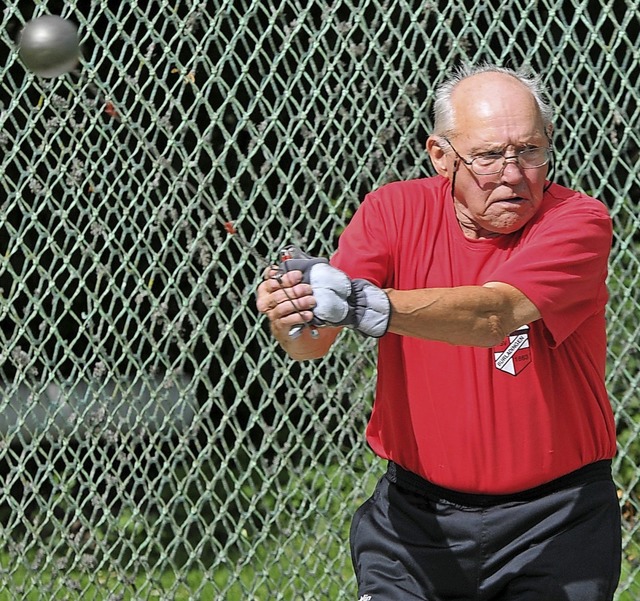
{"points": [[496, 328], [494, 331]]}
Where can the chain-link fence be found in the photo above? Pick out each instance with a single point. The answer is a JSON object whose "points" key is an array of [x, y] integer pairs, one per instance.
{"points": [[154, 441]]}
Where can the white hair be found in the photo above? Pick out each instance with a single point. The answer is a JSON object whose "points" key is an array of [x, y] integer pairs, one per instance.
{"points": [[444, 114]]}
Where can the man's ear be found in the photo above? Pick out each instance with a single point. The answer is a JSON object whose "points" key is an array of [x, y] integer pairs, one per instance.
{"points": [[549, 132], [439, 158]]}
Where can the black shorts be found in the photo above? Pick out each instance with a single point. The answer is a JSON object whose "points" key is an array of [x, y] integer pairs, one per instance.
{"points": [[559, 542]]}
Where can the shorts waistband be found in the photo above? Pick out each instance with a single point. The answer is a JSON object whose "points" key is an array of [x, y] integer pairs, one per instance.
{"points": [[600, 470]]}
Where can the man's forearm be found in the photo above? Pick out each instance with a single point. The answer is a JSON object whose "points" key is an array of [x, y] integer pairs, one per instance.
{"points": [[465, 315]]}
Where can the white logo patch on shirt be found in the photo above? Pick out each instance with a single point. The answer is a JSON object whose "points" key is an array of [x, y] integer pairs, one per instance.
{"points": [[514, 353]]}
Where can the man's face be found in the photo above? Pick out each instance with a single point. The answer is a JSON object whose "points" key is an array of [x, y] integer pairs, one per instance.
{"points": [[494, 113]]}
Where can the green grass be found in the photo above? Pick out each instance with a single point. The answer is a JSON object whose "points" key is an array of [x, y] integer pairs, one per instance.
{"points": [[298, 544], [629, 589], [273, 570]]}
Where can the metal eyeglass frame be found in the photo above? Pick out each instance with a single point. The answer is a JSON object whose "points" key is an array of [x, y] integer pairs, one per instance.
{"points": [[548, 149]]}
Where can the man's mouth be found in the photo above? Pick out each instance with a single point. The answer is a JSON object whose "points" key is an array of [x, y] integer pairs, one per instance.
{"points": [[513, 199]]}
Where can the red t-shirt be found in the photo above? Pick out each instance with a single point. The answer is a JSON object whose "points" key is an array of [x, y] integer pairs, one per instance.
{"points": [[490, 420]]}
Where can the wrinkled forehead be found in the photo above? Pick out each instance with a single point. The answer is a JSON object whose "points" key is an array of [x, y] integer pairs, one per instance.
{"points": [[495, 104]]}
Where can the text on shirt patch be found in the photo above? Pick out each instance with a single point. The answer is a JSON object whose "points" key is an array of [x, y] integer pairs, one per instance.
{"points": [[514, 353]]}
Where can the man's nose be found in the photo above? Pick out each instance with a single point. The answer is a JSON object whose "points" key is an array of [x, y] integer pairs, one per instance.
{"points": [[511, 169]]}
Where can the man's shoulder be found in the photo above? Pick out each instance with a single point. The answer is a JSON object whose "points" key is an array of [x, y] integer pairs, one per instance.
{"points": [[559, 198], [425, 185], [426, 193], [566, 213]]}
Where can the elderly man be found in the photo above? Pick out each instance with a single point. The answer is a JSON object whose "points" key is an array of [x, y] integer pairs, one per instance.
{"points": [[486, 287]]}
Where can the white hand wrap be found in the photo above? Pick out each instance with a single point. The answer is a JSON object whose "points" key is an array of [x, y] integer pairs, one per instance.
{"points": [[341, 301]]}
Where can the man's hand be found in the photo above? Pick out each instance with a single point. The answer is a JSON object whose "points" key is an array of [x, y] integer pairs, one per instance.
{"points": [[288, 304], [285, 300]]}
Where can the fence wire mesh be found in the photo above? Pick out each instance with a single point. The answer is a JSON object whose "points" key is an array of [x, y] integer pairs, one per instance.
{"points": [[154, 443]]}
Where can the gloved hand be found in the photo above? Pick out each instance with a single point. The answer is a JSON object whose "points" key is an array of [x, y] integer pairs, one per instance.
{"points": [[341, 301]]}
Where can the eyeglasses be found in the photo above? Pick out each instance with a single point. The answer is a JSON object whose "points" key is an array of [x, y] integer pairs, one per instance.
{"points": [[491, 163]]}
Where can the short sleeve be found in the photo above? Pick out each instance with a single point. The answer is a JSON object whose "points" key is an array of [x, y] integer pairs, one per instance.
{"points": [[364, 246]]}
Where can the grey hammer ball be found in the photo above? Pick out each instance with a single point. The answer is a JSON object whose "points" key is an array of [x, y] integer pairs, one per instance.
{"points": [[49, 46]]}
